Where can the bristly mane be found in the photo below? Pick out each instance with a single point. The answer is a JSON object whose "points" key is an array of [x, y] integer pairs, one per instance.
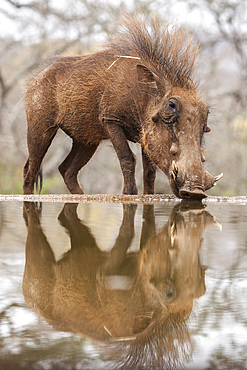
{"points": [[165, 48]]}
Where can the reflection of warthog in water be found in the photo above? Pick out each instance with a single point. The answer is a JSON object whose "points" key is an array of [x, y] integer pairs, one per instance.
{"points": [[139, 89], [137, 301]]}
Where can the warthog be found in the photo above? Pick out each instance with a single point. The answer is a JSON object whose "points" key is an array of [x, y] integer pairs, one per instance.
{"points": [[138, 88], [133, 301]]}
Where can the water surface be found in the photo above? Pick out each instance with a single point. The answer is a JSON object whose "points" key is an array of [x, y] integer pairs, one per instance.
{"points": [[101, 285]]}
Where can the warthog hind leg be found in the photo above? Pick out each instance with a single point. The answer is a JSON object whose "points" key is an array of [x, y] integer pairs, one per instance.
{"points": [[38, 144], [77, 158]]}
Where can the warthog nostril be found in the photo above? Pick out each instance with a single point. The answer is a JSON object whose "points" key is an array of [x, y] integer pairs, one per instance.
{"points": [[197, 194], [185, 194]]}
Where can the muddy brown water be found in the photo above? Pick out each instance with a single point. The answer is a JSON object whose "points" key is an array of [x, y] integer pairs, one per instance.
{"points": [[131, 282]]}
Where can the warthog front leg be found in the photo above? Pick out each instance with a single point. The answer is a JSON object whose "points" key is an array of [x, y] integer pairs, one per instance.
{"points": [[125, 156], [148, 224], [149, 173], [118, 253]]}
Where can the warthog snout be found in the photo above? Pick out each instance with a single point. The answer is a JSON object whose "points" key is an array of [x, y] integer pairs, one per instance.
{"points": [[197, 194], [191, 183]]}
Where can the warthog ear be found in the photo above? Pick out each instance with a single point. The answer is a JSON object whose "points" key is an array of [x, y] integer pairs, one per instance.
{"points": [[146, 76], [207, 129]]}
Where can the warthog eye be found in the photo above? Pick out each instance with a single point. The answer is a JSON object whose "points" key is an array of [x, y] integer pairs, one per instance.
{"points": [[168, 113], [172, 114], [172, 106]]}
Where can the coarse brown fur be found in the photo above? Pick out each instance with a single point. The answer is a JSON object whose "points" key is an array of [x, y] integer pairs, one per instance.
{"points": [[139, 88]]}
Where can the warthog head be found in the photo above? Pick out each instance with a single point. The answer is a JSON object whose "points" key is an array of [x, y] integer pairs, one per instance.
{"points": [[173, 129]]}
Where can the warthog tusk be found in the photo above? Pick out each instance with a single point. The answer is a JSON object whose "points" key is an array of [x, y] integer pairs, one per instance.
{"points": [[174, 168], [219, 226], [217, 178], [173, 233]]}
